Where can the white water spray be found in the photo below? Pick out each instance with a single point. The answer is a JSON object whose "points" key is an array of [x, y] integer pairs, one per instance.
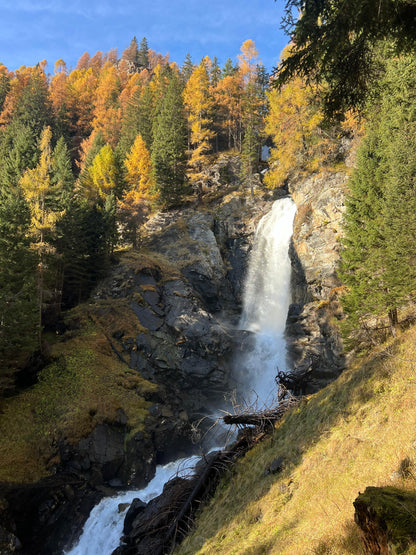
{"points": [[266, 303], [104, 527]]}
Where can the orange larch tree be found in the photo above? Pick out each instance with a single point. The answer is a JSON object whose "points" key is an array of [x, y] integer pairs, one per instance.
{"points": [[136, 202], [198, 105], [107, 113]]}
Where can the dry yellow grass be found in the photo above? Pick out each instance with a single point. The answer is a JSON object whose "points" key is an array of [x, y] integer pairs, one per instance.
{"points": [[353, 434]]}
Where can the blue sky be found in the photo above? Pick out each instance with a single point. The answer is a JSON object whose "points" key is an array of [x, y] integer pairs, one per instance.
{"points": [[34, 30]]}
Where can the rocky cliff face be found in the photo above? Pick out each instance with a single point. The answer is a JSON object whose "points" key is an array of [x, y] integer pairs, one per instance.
{"points": [[185, 292], [314, 345]]}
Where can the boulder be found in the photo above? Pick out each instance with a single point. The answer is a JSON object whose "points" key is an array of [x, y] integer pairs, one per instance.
{"points": [[386, 519]]}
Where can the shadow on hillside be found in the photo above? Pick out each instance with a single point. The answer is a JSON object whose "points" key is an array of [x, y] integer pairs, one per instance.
{"points": [[302, 427]]}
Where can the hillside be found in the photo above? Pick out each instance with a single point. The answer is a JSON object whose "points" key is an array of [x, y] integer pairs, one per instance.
{"points": [[357, 432]]}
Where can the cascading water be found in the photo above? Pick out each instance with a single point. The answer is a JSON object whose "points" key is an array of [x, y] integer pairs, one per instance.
{"points": [[266, 303], [104, 527]]}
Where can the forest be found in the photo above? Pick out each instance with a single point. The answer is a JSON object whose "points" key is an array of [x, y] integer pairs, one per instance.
{"points": [[88, 154]]}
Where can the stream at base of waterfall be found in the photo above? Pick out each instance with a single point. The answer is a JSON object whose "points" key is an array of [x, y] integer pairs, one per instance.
{"points": [[265, 306]]}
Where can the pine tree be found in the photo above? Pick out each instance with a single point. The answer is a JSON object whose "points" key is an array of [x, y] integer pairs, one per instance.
{"points": [[378, 261], [187, 68], [143, 54], [169, 145], [33, 106]]}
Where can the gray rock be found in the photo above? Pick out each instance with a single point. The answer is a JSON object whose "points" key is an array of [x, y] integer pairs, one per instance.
{"points": [[147, 318], [275, 466]]}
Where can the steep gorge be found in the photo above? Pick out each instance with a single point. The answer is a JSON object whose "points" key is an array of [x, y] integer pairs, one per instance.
{"points": [[170, 313]]}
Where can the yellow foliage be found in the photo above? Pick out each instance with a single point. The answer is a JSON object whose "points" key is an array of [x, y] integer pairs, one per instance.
{"points": [[101, 178], [293, 122], [37, 187], [107, 114], [248, 61], [227, 95], [139, 168], [198, 103]]}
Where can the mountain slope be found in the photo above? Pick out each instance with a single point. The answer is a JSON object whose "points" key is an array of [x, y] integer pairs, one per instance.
{"points": [[358, 431]]}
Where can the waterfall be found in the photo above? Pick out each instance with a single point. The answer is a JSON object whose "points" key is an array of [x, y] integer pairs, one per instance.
{"points": [[266, 302], [104, 527], [265, 305]]}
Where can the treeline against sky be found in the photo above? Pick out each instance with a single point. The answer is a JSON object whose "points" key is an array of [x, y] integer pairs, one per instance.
{"points": [[86, 154]]}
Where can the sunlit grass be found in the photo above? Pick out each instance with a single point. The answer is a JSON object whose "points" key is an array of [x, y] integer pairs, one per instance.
{"points": [[353, 434]]}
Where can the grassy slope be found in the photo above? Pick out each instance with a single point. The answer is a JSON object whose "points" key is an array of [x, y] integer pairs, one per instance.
{"points": [[352, 434], [83, 386]]}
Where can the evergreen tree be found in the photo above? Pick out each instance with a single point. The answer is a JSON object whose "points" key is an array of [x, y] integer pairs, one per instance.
{"points": [[169, 145], [187, 68], [214, 72], [379, 257], [335, 41], [62, 178], [18, 304], [34, 108], [143, 54], [4, 86], [137, 119], [18, 151], [364, 240], [82, 239], [229, 70]]}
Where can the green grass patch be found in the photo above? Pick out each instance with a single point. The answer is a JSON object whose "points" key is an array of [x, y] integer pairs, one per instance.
{"points": [[84, 385], [354, 433]]}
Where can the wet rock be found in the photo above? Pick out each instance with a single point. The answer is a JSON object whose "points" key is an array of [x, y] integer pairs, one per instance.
{"points": [[104, 448], [40, 519], [137, 506]]}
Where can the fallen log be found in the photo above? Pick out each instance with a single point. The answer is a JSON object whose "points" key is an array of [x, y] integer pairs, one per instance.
{"points": [[263, 418]]}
